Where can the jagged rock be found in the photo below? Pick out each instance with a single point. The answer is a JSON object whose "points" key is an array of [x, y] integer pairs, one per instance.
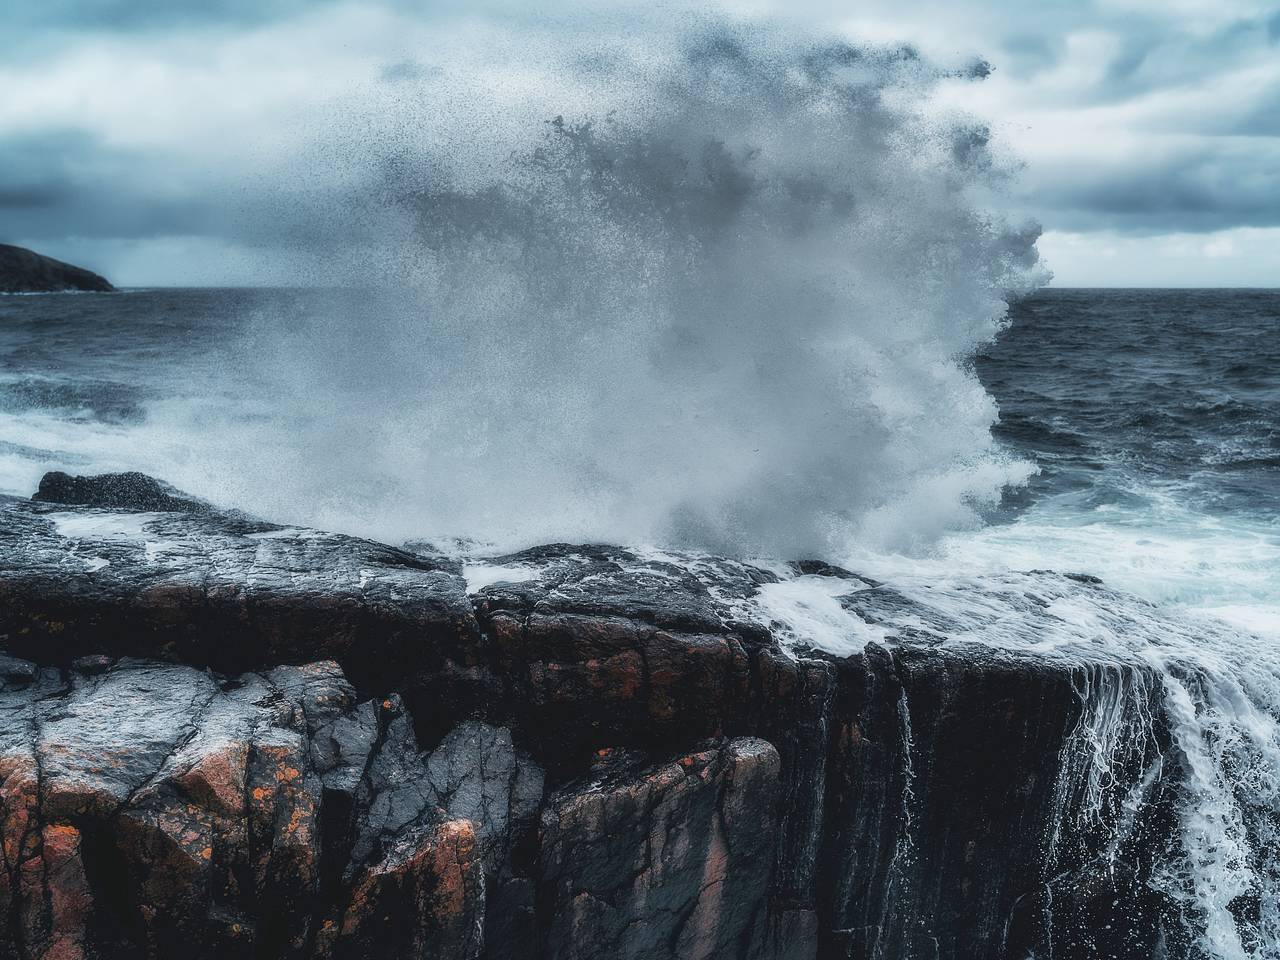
{"points": [[602, 647], [479, 775], [796, 697], [153, 808], [663, 861], [25, 271], [423, 898], [605, 647], [117, 491], [235, 594]]}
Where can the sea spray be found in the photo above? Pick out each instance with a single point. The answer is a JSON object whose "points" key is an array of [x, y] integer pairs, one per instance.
{"points": [[709, 288]]}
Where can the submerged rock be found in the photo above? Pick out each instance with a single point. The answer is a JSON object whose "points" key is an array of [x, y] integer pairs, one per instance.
{"points": [[329, 747], [25, 271]]}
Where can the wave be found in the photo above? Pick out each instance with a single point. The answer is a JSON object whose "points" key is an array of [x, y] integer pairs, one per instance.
{"points": [[1160, 547], [712, 289], [73, 399]]}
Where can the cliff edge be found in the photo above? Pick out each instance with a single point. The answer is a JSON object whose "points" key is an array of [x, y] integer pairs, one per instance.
{"points": [[226, 737]]}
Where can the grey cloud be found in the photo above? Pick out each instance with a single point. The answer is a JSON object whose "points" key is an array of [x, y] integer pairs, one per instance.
{"points": [[34, 31], [1026, 54], [1127, 64], [1261, 121], [24, 198], [1210, 190], [125, 15], [61, 182], [1152, 53]]}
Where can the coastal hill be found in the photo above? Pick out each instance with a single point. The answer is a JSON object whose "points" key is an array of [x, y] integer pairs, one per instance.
{"points": [[25, 271]]}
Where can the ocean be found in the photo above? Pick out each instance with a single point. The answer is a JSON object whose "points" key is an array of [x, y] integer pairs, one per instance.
{"points": [[1153, 417], [1128, 435], [1150, 420]]}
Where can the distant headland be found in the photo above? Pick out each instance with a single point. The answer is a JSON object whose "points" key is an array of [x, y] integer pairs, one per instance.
{"points": [[25, 271]]}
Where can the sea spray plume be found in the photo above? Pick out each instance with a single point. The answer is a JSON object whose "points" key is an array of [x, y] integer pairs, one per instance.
{"points": [[726, 305]]}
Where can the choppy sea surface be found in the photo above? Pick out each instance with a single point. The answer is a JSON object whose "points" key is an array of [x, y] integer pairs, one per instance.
{"points": [[1152, 418]]}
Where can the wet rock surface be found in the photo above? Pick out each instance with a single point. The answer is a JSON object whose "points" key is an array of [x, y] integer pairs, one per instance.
{"points": [[155, 809], [118, 491], [226, 737], [227, 592], [661, 860]]}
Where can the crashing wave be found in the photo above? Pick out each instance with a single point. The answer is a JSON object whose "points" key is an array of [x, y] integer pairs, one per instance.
{"points": [[712, 289]]}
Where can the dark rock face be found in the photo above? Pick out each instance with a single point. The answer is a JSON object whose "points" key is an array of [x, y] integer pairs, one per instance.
{"points": [[233, 594], [604, 648], [152, 809], [118, 491], [25, 271], [667, 860], [620, 759]]}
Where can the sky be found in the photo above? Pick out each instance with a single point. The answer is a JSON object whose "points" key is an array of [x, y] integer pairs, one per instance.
{"points": [[165, 142]]}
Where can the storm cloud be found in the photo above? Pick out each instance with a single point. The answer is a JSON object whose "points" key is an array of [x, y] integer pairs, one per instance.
{"points": [[204, 142]]}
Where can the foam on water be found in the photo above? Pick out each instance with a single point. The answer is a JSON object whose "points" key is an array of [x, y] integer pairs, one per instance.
{"points": [[102, 526], [807, 612], [1226, 566]]}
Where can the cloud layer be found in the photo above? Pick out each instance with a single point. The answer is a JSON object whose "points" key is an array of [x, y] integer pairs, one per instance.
{"points": [[194, 142]]}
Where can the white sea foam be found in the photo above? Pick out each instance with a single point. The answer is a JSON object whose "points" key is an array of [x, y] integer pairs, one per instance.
{"points": [[481, 575], [1224, 566], [705, 287], [807, 611], [102, 526], [95, 526], [1263, 619], [286, 533], [1216, 687]]}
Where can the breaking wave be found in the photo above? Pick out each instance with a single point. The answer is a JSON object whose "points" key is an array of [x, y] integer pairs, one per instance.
{"points": [[713, 289]]}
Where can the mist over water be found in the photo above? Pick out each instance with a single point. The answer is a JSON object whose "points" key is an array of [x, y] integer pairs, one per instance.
{"points": [[713, 289]]}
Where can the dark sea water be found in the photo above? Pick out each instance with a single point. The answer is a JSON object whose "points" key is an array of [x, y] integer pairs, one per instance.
{"points": [[1154, 419], [1152, 416], [1126, 396]]}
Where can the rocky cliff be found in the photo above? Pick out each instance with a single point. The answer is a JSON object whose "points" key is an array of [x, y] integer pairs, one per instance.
{"points": [[25, 271], [225, 737]]}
